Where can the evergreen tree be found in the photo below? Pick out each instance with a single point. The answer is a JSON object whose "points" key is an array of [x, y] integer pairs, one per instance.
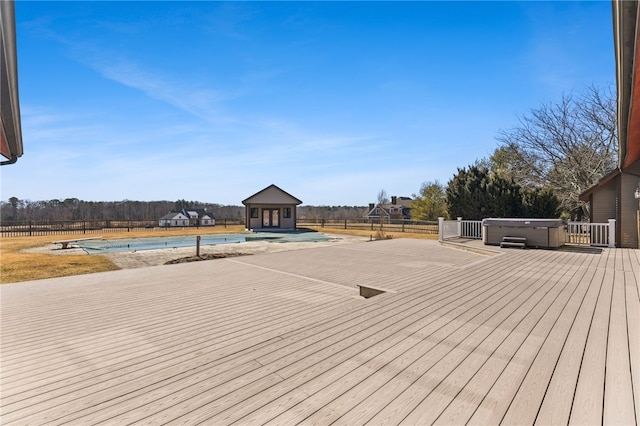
{"points": [[477, 193]]}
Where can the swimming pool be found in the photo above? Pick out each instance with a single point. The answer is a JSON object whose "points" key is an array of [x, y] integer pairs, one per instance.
{"points": [[154, 243]]}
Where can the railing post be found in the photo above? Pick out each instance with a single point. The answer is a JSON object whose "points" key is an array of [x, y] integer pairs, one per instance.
{"points": [[612, 233], [440, 228], [459, 227]]}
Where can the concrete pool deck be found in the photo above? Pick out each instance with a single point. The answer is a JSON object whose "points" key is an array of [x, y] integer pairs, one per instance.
{"points": [[520, 337], [143, 258]]}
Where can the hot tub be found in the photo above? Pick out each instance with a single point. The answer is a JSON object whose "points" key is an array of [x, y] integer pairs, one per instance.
{"points": [[543, 233]]}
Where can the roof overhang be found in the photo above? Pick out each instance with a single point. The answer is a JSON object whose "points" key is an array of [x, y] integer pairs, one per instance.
{"points": [[10, 127], [626, 40], [586, 195], [266, 196]]}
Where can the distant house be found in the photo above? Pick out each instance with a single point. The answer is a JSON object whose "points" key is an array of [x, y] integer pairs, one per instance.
{"points": [[199, 217], [398, 208], [191, 217], [173, 219], [271, 208]]}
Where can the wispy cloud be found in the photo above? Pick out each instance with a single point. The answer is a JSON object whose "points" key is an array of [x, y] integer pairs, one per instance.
{"points": [[204, 103]]}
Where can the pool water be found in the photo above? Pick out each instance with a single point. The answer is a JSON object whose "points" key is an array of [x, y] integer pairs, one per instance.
{"points": [[154, 243]]}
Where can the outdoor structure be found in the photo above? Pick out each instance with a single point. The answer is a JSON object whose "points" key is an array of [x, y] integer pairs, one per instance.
{"points": [[192, 217], [10, 128], [398, 208], [271, 208], [617, 195]]}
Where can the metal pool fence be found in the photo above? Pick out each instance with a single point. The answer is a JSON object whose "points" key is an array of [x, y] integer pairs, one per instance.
{"points": [[388, 225], [66, 227]]}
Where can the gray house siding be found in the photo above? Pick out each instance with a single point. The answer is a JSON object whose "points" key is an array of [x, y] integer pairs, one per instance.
{"points": [[613, 198], [603, 203], [627, 228]]}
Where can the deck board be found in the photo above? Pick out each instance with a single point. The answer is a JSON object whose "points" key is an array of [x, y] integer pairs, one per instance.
{"points": [[451, 381], [618, 394], [521, 336], [417, 382], [556, 405], [633, 323]]}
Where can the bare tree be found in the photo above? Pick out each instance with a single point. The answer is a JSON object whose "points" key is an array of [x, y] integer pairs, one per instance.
{"points": [[382, 199], [564, 147]]}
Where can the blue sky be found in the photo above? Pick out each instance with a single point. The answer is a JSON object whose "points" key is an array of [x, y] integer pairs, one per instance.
{"points": [[331, 101]]}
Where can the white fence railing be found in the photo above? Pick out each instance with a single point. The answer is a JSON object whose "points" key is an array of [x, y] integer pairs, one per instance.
{"points": [[471, 229], [578, 233], [448, 229], [460, 228], [592, 234]]}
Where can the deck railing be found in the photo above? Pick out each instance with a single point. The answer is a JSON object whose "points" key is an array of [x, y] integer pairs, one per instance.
{"points": [[592, 234], [460, 229], [471, 229], [372, 225], [577, 233]]}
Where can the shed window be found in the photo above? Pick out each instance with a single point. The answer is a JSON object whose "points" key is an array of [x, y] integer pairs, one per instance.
{"points": [[286, 212], [254, 213]]}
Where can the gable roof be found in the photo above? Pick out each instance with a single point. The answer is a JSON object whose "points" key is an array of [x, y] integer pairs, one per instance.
{"points": [[194, 213], [375, 212], [602, 182], [271, 195], [173, 215]]}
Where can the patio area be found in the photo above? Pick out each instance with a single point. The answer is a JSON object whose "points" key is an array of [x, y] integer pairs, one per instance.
{"points": [[458, 336]]}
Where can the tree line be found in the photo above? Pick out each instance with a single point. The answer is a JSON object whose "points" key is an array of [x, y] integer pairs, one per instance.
{"points": [[75, 209]]}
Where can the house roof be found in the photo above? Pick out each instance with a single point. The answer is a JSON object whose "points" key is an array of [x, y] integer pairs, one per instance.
{"points": [[374, 211], [272, 195], [10, 127], [196, 213], [173, 215], [400, 202], [602, 182]]}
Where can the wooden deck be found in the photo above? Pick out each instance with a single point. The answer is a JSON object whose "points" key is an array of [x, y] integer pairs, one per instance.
{"points": [[521, 337]]}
